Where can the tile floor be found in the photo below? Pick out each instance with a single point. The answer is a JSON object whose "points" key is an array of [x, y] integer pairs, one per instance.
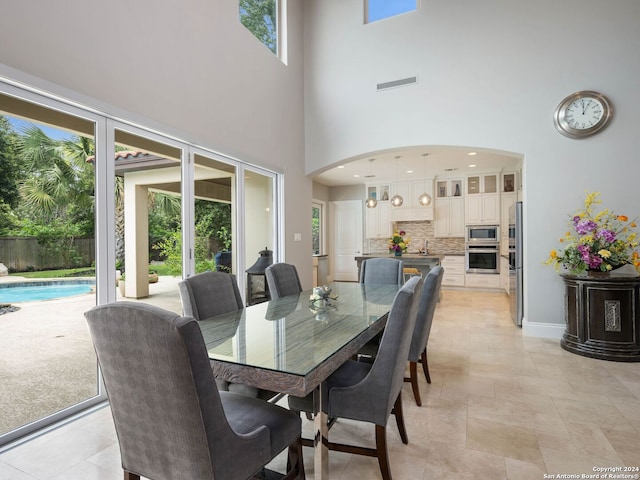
{"points": [[501, 406]]}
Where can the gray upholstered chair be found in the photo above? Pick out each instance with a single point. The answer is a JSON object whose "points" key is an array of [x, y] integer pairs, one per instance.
{"points": [[371, 392], [376, 271], [171, 420], [209, 294], [424, 319], [283, 280], [379, 271]]}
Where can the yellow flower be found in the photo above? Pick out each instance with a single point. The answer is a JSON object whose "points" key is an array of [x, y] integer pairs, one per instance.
{"points": [[608, 267], [604, 253], [633, 225], [623, 218], [553, 254], [561, 240]]}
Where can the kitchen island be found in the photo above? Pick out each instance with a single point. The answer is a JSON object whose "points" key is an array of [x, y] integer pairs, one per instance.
{"points": [[423, 263]]}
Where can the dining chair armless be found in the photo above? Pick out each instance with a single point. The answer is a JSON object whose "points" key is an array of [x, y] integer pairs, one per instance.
{"points": [[170, 419], [209, 294], [426, 309], [372, 392], [377, 271], [387, 271], [283, 280]]}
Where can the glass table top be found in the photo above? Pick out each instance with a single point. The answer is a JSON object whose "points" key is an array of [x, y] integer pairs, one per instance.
{"points": [[292, 335]]}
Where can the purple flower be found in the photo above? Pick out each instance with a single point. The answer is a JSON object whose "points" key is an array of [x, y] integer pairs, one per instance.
{"points": [[607, 236], [584, 252], [585, 226], [594, 262]]}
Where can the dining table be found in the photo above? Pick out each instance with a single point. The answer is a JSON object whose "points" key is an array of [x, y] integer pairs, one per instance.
{"points": [[290, 345]]}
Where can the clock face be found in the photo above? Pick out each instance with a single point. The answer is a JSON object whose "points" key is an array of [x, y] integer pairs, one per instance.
{"points": [[582, 114]]}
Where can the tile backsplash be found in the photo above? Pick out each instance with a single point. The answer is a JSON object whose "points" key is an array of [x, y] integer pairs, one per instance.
{"points": [[418, 232]]}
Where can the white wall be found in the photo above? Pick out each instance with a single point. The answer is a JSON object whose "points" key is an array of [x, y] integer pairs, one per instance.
{"points": [[490, 74], [189, 69]]}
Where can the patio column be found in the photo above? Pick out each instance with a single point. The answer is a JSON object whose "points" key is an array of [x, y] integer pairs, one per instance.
{"points": [[136, 234]]}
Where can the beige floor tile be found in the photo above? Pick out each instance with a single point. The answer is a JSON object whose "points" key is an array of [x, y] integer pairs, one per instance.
{"points": [[537, 417], [520, 470], [573, 464], [606, 416], [445, 461], [591, 440], [500, 439]]}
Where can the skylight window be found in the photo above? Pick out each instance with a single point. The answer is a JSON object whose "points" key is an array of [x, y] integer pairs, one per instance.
{"points": [[380, 9]]}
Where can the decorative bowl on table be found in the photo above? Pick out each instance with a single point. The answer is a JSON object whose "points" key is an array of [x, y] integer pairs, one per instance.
{"points": [[320, 298]]}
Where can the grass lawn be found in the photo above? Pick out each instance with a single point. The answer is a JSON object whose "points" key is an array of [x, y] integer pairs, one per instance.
{"points": [[161, 269]]}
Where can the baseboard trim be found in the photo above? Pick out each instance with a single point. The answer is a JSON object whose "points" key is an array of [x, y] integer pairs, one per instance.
{"points": [[544, 330]]}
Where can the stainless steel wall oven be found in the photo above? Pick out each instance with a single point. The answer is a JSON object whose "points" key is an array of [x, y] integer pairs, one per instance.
{"points": [[483, 258]]}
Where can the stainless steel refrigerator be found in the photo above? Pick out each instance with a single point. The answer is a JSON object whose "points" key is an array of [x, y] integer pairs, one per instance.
{"points": [[515, 263]]}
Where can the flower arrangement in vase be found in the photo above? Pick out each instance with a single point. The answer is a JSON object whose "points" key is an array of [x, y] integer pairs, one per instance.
{"points": [[597, 241], [398, 244]]}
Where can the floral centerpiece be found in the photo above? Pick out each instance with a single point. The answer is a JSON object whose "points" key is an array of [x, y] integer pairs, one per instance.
{"points": [[397, 243], [597, 241]]}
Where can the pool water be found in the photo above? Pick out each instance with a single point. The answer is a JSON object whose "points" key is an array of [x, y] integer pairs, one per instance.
{"points": [[15, 293]]}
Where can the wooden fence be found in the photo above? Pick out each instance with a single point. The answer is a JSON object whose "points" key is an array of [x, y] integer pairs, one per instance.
{"points": [[22, 254]]}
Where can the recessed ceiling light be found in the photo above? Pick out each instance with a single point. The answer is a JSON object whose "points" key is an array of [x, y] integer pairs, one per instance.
{"points": [[357, 176], [472, 153], [409, 171], [473, 165], [340, 166]]}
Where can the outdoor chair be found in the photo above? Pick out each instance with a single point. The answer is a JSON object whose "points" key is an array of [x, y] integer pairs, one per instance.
{"points": [[170, 418]]}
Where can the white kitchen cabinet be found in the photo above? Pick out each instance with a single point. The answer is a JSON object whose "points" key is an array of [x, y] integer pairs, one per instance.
{"points": [[482, 199], [449, 217], [504, 274], [479, 280], [378, 219], [482, 209], [506, 201], [453, 266], [411, 209]]}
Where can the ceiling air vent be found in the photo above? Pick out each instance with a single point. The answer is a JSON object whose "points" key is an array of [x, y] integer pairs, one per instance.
{"points": [[403, 82]]}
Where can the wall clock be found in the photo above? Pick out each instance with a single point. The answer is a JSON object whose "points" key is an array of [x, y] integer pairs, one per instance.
{"points": [[582, 114]]}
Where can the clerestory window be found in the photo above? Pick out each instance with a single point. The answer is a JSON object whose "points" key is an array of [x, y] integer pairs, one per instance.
{"points": [[380, 9], [260, 17]]}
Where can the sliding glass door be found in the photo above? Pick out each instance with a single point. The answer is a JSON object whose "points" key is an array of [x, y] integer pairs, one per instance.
{"points": [[95, 210], [48, 232]]}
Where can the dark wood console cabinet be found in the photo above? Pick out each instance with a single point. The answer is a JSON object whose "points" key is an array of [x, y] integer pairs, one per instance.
{"points": [[602, 316]]}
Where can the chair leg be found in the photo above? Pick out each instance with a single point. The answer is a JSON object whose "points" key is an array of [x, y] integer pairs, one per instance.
{"points": [[131, 476], [397, 412], [382, 454], [295, 465], [425, 366], [413, 368]]}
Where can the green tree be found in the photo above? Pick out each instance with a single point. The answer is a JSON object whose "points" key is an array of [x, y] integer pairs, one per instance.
{"points": [[260, 17], [9, 165], [58, 181]]}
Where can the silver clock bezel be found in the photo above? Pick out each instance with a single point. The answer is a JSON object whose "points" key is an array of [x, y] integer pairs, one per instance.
{"points": [[561, 124]]}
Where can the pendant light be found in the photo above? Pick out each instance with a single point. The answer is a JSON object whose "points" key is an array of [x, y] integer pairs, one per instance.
{"points": [[397, 199], [371, 200], [424, 199]]}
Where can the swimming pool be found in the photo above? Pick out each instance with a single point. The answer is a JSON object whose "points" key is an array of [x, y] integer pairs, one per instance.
{"points": [[43, 290]]}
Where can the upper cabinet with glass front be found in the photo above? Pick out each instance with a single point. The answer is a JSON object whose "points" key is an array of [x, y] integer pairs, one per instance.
{"points": [[482, 199], [378, 218]]}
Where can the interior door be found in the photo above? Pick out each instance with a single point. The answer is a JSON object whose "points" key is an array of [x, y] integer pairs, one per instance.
{"points": [[346, 224]]}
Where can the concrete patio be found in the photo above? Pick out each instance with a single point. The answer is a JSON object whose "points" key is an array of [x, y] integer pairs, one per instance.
{"points": [[47, 360]]}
